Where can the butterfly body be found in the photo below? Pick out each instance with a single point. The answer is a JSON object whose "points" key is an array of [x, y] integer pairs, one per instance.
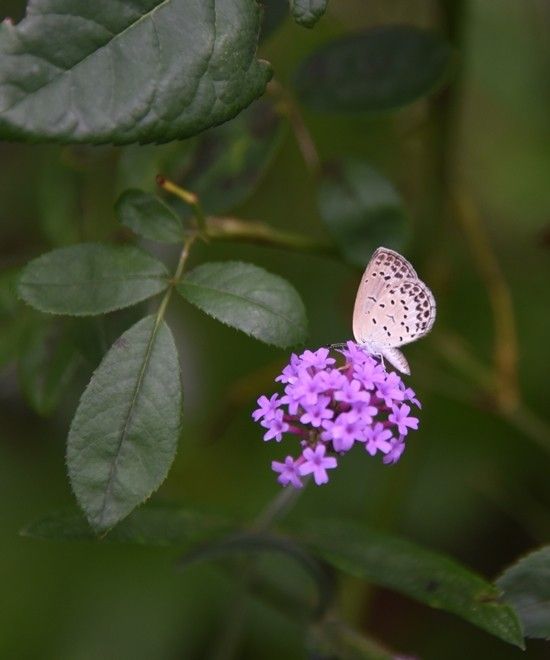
{"points": [[393, 307]]}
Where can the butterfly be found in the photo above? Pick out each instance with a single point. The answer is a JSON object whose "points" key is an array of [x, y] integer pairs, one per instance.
{"points": [[393, 307]]}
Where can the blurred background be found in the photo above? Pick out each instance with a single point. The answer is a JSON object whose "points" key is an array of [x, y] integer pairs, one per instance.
{"points": [[472, 164]]}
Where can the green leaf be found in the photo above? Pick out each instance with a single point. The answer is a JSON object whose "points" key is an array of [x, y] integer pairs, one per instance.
{"points": [[253, 543], [133, 71], [423, 575], [148, 216], [248, 298], [376, 71], [361, 209], [150, 525], [307, 12], [124, 434], [47, 363], [526, 586], [226, 164], [91, 279]]}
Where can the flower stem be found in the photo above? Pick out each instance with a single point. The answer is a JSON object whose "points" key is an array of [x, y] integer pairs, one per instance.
{"points": [[276, 508], [231, 634]]}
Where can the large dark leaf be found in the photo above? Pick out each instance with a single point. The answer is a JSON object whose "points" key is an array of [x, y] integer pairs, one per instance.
{"points": [[361, 208], [124, 434], [308, 12], [250, 299], [376, 71], [225, 164], [150, 525], [526, 586], [132, 71], [426, 576], [91, 279]]}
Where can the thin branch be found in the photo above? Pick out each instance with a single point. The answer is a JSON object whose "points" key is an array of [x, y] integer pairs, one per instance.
{"points": [[521, 417], [186, 196], [505, 352], [290, 109], [260, 233]]}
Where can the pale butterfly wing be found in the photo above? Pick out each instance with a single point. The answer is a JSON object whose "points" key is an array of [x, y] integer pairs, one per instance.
{"points": [[393, 307], [385, 265]]}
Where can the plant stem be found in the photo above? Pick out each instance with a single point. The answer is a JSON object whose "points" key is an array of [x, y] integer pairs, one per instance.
{"points": [[505, 349], [290, 109], [245, 231], [260, 233], [231, 634], [175, 279], [461, 208], [521, 417], [188, 197], [276, 509]]}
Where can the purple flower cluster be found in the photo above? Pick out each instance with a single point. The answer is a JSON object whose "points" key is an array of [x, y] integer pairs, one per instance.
{"points": [[331, 408]]}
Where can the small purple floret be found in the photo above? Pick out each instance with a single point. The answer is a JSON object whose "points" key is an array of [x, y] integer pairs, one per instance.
{"points": [[400, 417], [275, 426], [378, 439], [396, 449], [289, 472], [316, 463], [330, 407]]}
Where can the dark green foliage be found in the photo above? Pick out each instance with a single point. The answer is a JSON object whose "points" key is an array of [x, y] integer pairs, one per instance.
{"points": [[91, 279], [148, 216], [307, 12], [361, 208], [526, 586], [125, 72], [376, 71], [149, 525], [421, 574], [250, 299], [121, 72], [124, 434], [224, 165]]}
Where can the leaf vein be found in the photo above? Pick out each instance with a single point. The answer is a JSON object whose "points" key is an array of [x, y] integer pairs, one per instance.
{"points": [[129, 415], [132, 25], [245, 298]]}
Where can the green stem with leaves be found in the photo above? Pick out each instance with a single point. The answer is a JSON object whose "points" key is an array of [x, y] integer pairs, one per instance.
{"points": [[175, 279], [245, 231], [186, 196]]}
